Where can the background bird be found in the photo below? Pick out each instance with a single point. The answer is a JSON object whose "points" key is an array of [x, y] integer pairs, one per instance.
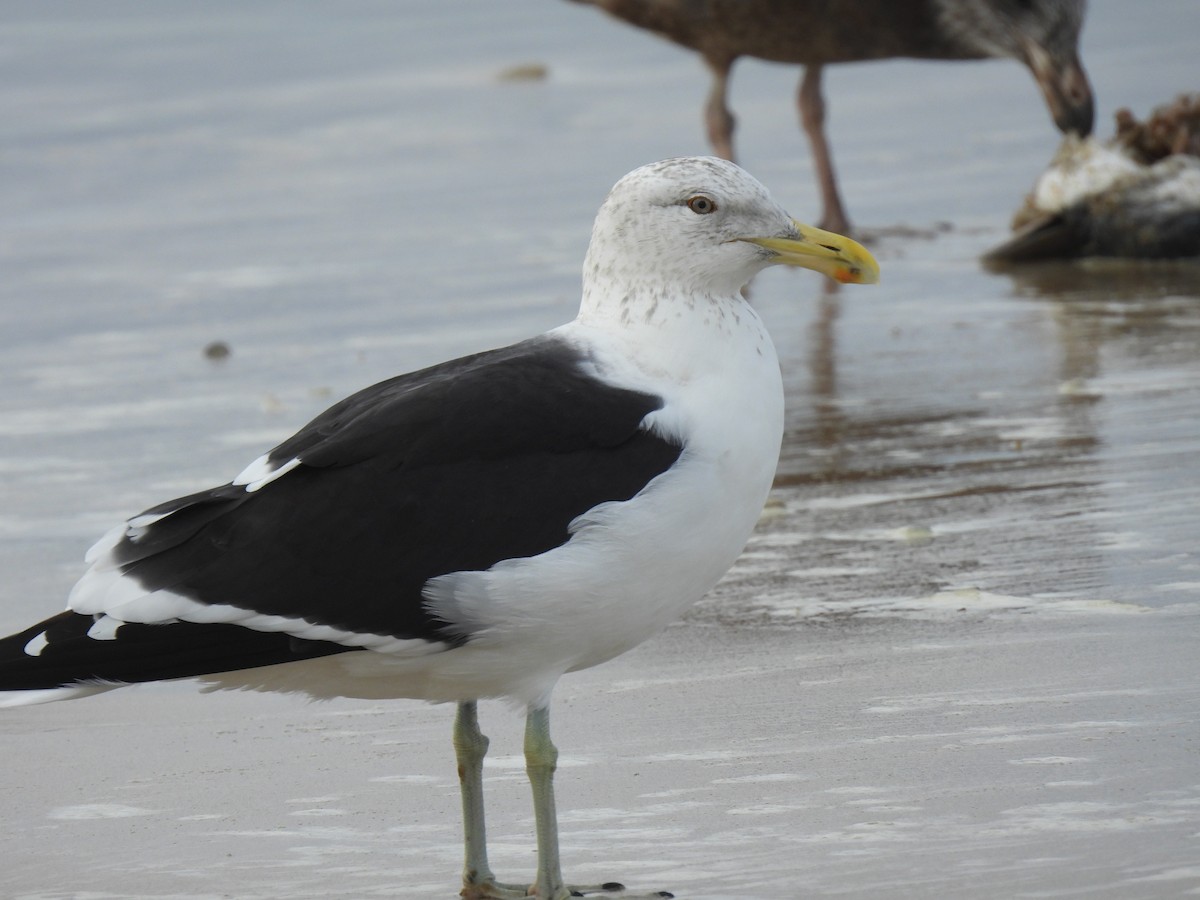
{"points": [[1041, 34], [482, 527]]}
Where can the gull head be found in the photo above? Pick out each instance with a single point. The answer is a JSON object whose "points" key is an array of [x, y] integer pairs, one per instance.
{"points": [[703, 226], [1044, 35]]}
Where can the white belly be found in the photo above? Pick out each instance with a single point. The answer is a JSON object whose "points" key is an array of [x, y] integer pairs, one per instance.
{"points": [[632, 567], [629, 569]]}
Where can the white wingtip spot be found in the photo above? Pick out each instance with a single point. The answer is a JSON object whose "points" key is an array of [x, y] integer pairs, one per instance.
{"points": [[261, 472], [104, 629], [37, 645], [136, 527]]}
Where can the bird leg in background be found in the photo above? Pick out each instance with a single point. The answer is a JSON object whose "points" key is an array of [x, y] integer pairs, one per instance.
{"points": [[812, 119], [718, 119]]}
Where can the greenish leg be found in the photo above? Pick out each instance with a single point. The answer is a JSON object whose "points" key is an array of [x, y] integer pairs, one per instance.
{"points": [[541, 759], [470, 747]]}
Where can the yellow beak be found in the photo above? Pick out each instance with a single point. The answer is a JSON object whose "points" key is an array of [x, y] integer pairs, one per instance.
{"points": [[830, 254]]}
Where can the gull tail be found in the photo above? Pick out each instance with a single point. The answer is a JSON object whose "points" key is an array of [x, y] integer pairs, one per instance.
{"points": [[64, 657]]}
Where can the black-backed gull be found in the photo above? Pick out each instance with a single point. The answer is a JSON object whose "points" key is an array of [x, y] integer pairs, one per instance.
{"points": [[479, 528]]}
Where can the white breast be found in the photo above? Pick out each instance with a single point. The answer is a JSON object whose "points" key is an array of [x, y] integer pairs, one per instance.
{"points": [[630, 567], [633, 567]]}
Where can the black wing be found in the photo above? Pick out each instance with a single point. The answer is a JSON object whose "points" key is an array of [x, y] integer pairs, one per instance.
{"points": [[452, 468]]}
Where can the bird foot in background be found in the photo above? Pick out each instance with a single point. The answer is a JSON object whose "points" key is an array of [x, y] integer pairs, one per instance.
{"points": [[496, 891]]}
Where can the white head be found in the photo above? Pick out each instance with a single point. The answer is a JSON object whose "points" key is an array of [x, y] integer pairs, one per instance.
{"points": [[701, 226]]}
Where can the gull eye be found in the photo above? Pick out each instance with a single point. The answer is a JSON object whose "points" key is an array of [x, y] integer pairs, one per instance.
{"points": [[702, 205]]}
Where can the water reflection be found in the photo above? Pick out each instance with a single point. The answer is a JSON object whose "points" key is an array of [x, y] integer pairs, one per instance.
{"points": [[1055, 457], [1103, 279], [1144, 309], [829, 421]]}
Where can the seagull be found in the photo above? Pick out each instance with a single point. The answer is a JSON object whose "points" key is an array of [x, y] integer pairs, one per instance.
{"points": [[1041, 34], [479, 528]]}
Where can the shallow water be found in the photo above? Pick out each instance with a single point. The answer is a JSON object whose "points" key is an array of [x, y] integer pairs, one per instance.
{"points": [[982, 544]]}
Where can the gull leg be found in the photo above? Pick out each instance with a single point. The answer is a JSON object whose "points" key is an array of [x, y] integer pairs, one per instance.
{"points": [[470, 747], [541, 760], [718, 120], [812, 118]]}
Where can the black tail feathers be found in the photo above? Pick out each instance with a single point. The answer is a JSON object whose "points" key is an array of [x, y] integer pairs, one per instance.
{"points": [[59, 652]]}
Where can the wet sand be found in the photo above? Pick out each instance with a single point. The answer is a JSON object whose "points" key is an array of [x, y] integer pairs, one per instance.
{"points": [[971, 753], [959, 657]]}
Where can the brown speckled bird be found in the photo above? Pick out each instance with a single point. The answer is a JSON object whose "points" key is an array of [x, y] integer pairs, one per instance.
{"points": [[1042, 34]]}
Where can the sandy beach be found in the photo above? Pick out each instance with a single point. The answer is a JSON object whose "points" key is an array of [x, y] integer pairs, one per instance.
{"points": [[960, 655]]}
